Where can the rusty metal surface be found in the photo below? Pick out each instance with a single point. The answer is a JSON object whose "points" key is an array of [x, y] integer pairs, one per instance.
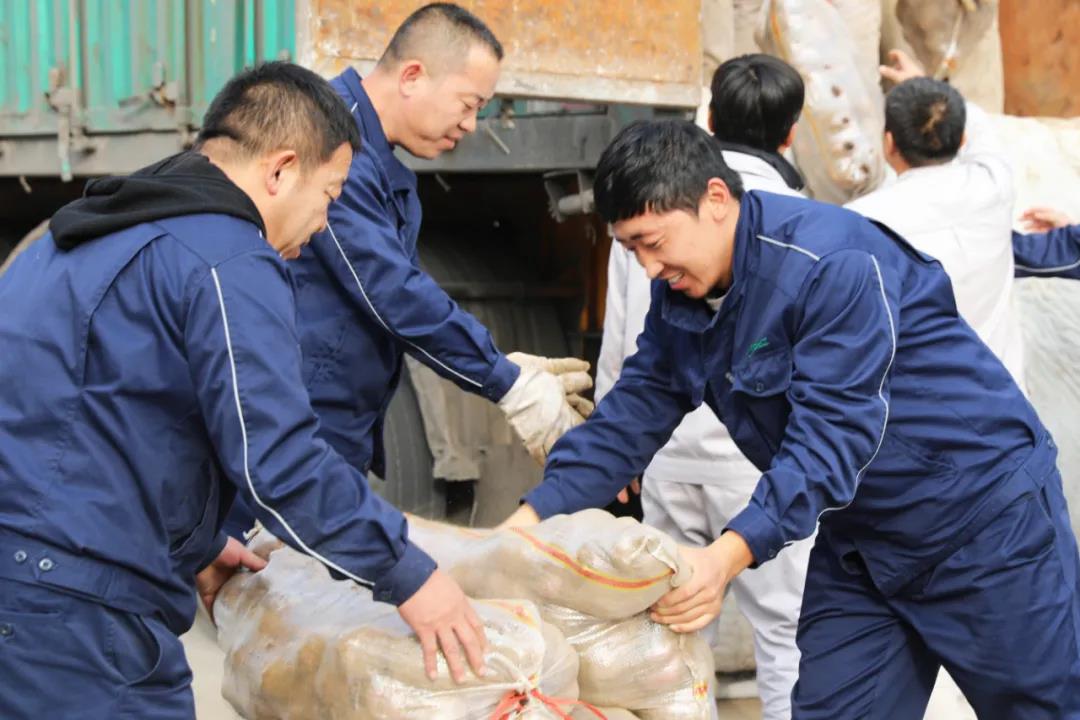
{"points": [[632, 51], [1041, 45]]}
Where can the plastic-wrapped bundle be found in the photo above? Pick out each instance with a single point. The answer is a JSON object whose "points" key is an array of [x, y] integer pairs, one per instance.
{"points": [[941, 32], [747, 21], [838, 139], [637, 664], [582, 713], [598, 564], [977, 70], [593, 576], [863, 21], [301, 646]]}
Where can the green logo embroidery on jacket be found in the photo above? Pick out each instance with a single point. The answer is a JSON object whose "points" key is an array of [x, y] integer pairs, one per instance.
{"points": [[763, 342]]}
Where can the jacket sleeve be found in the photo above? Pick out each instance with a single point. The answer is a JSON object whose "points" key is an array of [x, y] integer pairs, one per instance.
{"points": [[1050, 254], [244, 352], [843, 350], [590, 464], [609, 363], [382, 280]]}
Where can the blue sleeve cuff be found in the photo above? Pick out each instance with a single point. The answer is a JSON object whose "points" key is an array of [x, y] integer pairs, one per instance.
{"points": [[546, 500], [502, 376], [401, 582], [215, 549], [760, 533]]}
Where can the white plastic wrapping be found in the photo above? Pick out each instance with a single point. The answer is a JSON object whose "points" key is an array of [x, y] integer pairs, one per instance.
{"points": [[863, 21], [598, 564], [301, 646], [978, 70], [838, 139], [747, 19], [942, 31], [593, 577], [637, 664]]}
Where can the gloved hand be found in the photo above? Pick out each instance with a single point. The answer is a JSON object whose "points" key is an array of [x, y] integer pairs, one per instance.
{"points": [[539, 410], [572, 372]]}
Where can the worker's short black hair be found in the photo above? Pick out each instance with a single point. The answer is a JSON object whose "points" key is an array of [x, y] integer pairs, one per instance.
{"points": [[276, 106], [926, 118], [756, 99], [440, 28], [659, 166]]}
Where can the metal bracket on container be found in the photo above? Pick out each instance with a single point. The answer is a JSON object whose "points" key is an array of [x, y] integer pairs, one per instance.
{"points": [[570, 192], [70, 134]]}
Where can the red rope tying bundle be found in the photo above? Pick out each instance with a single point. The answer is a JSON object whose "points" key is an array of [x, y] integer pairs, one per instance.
{"points": [[514, 702]]}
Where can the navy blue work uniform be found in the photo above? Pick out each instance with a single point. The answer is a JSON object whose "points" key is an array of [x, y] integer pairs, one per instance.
{"points": [[1051, 254], [839, 364], [363, 301], [151, 369]]}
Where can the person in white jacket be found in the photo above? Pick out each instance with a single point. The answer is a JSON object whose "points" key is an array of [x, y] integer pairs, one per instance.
{"points": [[700, 480], [952, 199]]}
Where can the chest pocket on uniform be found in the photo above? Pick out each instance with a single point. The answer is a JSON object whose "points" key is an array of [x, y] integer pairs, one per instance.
{"points": [[761, 407], [763, 374]]}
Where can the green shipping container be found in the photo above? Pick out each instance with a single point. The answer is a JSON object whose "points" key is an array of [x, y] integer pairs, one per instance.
{"points": [[90, 86]]}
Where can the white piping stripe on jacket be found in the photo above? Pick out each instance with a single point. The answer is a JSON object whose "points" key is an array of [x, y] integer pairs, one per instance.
{"points": [[881, 390], [1048, 270], [382, 322], [243, 435], [796, 248]]}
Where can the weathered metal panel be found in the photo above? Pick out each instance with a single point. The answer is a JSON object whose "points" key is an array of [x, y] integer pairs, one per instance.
{"points": [[635, 51], [1041, 43], [35, 39], [83, 70]]}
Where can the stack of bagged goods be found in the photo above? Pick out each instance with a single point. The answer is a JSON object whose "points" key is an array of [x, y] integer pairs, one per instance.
{"points": [[564, 605], [301, 646], [594, 577], [838, 138]]}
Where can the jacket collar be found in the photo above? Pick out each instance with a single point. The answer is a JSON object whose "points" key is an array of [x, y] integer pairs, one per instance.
{"points": [[777, 162], [695, 315], [401, 177]]}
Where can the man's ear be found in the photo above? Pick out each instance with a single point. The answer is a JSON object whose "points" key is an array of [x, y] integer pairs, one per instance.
{"points": [[718, 198], [712, 125], [279, 168], [789, 140], [410, 75], [889, 143]]}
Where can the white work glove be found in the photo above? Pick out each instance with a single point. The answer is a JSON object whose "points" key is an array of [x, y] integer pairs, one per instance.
{"points": [[572, 372], [539, 403]]}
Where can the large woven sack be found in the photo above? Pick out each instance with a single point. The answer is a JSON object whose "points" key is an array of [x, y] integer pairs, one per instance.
{"points": [[862, 18], [838, 138], [747, 24]]}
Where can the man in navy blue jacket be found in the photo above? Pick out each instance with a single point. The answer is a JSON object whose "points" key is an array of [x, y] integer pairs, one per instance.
{"points": [[151, 369], [834, 354], [363, 300]]}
